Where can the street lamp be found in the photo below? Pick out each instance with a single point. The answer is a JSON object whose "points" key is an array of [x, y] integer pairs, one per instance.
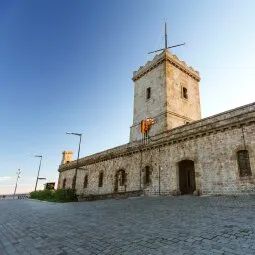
{"points": [[18, 173], [75, 175], [38, 156]]}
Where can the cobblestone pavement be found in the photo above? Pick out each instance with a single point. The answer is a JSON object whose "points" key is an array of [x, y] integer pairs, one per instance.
{"points": [[145, 225]]}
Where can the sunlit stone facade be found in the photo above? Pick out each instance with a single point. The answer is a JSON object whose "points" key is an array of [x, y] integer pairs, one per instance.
{"points": [[184, 153]]}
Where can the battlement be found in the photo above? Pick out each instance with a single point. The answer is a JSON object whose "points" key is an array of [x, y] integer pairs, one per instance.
{"points": [[166, 56]]}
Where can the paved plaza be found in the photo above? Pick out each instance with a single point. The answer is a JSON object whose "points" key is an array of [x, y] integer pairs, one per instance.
{"points": [[145, 225]]}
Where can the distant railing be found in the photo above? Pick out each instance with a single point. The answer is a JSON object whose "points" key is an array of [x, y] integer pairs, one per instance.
{"points": [[17, 196]]}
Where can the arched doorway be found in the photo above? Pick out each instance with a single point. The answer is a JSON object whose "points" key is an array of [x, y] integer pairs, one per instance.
{"points": [[187, 182]]}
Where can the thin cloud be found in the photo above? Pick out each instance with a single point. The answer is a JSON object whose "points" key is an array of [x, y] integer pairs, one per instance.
{"points": [[5, 178]]}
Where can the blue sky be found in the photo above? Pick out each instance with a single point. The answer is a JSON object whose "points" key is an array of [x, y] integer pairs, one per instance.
{"points": [[67, 66]]}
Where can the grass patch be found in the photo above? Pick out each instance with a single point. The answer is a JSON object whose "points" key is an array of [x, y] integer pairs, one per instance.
{"points": [[59, 195]]}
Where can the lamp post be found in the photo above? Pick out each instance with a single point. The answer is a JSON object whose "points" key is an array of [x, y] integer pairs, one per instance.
{"points": [[18, 173], [75, 175], [37, 178]]}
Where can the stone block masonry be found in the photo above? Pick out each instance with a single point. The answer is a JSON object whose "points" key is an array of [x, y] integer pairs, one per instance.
{"points": [[211, 144]]}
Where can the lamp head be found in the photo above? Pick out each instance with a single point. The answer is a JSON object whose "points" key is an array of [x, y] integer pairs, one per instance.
{"points": [[71, 133]]}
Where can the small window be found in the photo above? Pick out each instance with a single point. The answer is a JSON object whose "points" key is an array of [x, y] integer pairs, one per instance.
{"points": [[147, 179], [85, 182], [243, 161], [184, 92], [64, 184], [100, 181], [148, 93]]}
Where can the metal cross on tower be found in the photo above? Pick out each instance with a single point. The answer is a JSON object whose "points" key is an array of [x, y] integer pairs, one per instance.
{"points": [[166, 47]]}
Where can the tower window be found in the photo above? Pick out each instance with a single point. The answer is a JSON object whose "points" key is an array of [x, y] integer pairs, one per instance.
{"points": [[184, 92], [243, 161], [148, 93], [100, 181]]}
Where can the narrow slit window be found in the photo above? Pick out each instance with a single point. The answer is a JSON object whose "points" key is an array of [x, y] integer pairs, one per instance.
{"points": [[73, 182], [85, 183], [147, 179], [148, 93], [100, 181]]}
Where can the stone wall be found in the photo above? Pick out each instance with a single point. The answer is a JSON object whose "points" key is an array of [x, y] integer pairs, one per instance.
{"points": [[211, 143], [179, 109]]}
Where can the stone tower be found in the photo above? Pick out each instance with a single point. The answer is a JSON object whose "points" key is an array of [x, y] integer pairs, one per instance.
{"points": [[167, 90], [67, 157]]}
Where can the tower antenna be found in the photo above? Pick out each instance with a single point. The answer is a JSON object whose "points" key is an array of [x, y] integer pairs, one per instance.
{"points": [[165, 36], [166, 46]]}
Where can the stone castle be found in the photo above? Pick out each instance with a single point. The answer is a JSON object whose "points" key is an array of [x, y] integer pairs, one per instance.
{"points": [[182, 153]]}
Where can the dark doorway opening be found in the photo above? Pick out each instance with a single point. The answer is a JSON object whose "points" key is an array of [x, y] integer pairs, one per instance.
{"points": [[187, 182]]}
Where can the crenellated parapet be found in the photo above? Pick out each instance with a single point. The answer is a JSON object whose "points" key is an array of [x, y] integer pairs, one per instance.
{"points": [[159, 59]]}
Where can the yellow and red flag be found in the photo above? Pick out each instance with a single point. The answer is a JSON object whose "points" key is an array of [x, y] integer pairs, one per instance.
{"points": [[146, 124]]}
